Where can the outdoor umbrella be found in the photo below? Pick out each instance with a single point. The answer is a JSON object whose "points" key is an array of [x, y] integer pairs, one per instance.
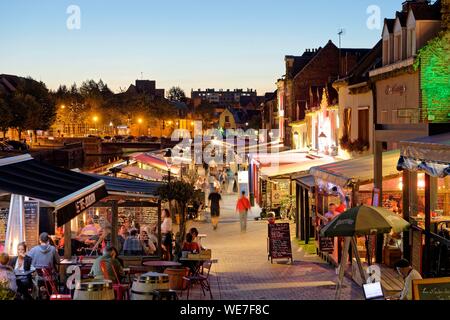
{"points": [[364, 220], [361, 221]]}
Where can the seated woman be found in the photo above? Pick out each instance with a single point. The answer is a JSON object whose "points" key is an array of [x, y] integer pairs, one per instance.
{"points": [[149, 247], [194, 233], [190, 246], [22, 263]]}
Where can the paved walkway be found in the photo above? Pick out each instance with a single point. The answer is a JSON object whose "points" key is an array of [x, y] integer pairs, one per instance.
{"points": [[242, 271]]}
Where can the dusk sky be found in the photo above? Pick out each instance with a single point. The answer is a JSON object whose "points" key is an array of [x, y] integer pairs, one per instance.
{"points": [[189, 43]]}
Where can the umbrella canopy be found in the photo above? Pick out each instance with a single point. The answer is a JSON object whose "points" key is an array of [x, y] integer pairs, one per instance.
{"points": [[364, 220]]}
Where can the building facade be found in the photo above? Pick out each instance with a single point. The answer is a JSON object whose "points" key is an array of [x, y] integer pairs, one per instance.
{"points": [[228, 97], [411, 73]]}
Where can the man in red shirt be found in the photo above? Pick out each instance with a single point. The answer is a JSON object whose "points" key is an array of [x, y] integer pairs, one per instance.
{"points": [[242, 207]]}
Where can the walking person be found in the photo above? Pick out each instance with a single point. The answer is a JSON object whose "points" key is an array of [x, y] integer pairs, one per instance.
{"points": [[230, 177], [242, 207], [214, 205]]}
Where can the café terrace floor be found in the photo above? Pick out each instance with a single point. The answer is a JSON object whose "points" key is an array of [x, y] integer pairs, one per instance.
{"points": [[242, 272]]}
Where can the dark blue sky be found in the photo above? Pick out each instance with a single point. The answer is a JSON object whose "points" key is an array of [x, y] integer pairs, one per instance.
{"points": [[190, 43]]}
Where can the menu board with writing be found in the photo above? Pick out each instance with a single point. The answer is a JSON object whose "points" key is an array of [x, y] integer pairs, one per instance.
{"points": [[280, 241], [326, 244], [3, 223], [432, 289], [147, 216], [31, 223]]}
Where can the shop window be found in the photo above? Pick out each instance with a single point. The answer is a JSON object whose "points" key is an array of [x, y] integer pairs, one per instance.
{"points": [[363, 125], [347, 122]]}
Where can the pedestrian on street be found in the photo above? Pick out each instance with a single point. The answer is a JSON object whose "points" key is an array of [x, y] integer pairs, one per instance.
{"points": [[214, 205], [242, 207]]}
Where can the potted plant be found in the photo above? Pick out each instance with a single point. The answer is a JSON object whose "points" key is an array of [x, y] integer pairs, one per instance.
{"points": [[182, 193], [5, 292]]}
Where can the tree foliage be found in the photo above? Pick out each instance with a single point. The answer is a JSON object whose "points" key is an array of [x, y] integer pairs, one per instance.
{"points": [[183, 193], [176, 94]]}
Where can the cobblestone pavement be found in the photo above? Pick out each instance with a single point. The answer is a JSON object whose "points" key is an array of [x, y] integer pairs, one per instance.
{"points": [[243, 272]]}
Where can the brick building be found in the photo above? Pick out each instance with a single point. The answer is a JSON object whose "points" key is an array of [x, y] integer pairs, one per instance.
{"points": [[411, 90], [307, 76]]}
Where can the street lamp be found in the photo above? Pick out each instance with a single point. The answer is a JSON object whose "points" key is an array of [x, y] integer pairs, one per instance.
{"points": [[322, 141], [95, 119], [169, 160], [182, 163], [140, 122], [296, 140]]}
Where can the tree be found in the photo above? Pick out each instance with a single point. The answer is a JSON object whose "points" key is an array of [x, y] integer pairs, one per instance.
{"points": [[176, 94], [183, 193], [21, 105], [6, 117], [42, 107], [205, 112]]}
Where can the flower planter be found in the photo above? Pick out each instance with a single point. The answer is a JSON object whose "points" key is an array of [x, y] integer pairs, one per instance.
{"points": [[176, 281]]}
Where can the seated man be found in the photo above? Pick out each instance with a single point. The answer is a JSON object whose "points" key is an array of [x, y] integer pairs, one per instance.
{"points": [[89, 230], [133, 245], [332, 212], [44, 255], [113, 267], [409, 274]]}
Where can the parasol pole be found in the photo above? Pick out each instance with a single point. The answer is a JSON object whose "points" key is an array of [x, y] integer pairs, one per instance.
{"points": [[342, 265], [358, 260]]}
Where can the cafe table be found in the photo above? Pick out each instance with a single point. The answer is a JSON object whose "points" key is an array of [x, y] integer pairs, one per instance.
{"points": [[22, 273], [194, 263], [161, 265]]}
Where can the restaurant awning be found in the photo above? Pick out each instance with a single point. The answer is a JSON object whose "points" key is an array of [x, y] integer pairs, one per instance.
{"points": [[154, 161], [306, 181], [149, 174], [429, 154], [68, 192], [128, 187], [301, 167], [361, 170]]}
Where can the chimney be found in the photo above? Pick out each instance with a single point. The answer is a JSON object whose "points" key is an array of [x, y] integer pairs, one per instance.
{"points": [[415, 4]]}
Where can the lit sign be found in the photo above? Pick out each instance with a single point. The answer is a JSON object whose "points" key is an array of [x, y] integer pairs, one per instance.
{"points": [[400, 89], [85, 203]]}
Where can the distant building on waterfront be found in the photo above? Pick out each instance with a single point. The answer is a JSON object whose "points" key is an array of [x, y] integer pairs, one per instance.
{"points": [[228, 97], [147, 87]]}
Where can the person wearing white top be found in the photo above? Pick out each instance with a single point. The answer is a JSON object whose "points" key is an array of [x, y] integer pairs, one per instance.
{"points": [[166, 232], [409, 274]]}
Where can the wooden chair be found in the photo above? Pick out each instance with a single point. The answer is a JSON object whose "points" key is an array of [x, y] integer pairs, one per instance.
{"points": [[121, 291], [165, 295], [202, 279], [46, 275]]}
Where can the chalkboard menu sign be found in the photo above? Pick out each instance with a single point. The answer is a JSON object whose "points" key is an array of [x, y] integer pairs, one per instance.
{"points": [[280, 241], [3, 223], [147, 216], [326, 244], [31, 223], [431, 289]]}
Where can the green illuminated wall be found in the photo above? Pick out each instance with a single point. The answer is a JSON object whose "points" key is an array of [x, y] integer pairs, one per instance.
{"points": [[434, 63]]}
